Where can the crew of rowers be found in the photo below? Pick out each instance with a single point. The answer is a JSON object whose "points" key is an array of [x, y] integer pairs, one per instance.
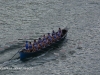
{"points": [[42, 43]]}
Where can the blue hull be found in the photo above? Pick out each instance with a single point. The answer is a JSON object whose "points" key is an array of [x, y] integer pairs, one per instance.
{"points": [[25, 55]]}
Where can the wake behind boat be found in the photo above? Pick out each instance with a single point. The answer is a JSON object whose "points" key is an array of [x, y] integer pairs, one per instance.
{"points": [[24, 54]]}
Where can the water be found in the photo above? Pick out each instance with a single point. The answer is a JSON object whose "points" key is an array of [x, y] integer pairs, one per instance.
{"points": [[22, 20]]}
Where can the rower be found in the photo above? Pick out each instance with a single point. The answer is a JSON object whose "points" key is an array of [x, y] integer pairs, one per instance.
{"points": [[57, 35], [39, 40], [44, 40], [53, 32], [35, 45], [54, 37], [33, 49], [40, 43], [44, 37], [30, 46], [49, 38]]}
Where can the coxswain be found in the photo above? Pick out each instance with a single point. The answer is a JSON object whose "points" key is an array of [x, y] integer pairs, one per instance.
{"points": [[26, 45]]}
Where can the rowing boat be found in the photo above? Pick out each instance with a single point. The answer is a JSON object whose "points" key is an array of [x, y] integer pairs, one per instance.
{"points": [[25, 55]]}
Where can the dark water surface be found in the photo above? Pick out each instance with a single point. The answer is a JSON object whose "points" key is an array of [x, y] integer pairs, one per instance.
{"points": [[22, 20]]}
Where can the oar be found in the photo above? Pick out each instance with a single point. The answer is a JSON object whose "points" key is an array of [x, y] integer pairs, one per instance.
{"points": [[14, 54]]}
